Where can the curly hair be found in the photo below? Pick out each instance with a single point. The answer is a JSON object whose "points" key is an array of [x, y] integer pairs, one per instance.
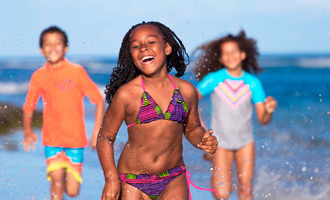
{"points": [[125, 70], [208, 61], [53, 29]]}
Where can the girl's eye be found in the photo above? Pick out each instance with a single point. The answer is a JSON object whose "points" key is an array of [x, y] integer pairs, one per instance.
{"points": [[135, 46], [151, 42]]}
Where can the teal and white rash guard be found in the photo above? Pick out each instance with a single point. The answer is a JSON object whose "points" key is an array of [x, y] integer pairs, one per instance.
{"points": [[232, 99]]}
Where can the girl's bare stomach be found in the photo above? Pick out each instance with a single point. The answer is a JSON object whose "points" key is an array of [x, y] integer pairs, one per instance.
{"points": [[150, 157]]}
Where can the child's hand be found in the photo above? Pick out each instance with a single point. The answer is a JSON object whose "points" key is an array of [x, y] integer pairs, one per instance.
{"points": [[270, 104], [209, 143], [93, 142], [29, 139], [111, 190]]}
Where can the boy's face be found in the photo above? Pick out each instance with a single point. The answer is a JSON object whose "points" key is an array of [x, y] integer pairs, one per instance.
{"points": [[53, 47]]}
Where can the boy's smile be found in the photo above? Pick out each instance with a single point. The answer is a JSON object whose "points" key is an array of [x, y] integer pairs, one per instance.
{"points": [[53, 48]]}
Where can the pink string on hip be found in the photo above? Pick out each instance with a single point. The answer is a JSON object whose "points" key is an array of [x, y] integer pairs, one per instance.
{"points": [[188, 175]]}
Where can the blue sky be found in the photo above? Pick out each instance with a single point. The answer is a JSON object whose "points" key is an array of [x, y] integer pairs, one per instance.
{"points": [[96, 27]]}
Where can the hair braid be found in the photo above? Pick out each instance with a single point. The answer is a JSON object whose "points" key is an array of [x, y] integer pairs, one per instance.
{"points": [[125, 70]]}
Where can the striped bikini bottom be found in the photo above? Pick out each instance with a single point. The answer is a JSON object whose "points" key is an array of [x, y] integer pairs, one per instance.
{"points": [[152, 184]]}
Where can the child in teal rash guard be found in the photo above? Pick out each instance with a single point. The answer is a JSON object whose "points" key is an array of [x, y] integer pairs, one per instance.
{"points": [[225, 73]]}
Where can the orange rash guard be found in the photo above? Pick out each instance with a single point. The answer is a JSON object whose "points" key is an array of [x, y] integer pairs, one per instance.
{"points": [[62, 90]]}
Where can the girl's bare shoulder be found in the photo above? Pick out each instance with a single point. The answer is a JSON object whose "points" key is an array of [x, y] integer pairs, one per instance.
{"points": [[129, 90], [186, 87]]}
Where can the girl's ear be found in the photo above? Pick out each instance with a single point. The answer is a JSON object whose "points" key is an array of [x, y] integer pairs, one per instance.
{"points": [[243, 55], [168, 49], [219, 59], [42, 51]]}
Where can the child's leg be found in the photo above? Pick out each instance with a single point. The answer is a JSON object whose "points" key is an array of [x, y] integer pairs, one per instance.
{"points": [[176, 189], [129, 192], [72, 185], [74, 159], [222, 177], [245, 168], [57, 184], [55, 171]]}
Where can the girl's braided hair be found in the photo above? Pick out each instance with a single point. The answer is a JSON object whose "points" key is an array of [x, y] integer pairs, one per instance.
{"points": [[208, 61], [125, 70]]}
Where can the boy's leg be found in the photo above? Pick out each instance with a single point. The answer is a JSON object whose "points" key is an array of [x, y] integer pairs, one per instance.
{"points": [[57, 184], [72, 185], [222, 175], [55, 171], [245, 169], [74, 157]]}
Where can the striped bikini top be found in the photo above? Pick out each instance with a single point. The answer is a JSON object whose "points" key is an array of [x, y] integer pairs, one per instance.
{"points": [[150, 111]]}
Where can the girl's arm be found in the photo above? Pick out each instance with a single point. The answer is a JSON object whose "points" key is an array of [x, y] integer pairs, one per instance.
{"points": [[193, 130], [200, 96], [113, 118], [99, 112], [265, 110]]}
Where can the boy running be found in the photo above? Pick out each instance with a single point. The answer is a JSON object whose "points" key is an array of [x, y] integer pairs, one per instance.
{"points": [[62, 86]]}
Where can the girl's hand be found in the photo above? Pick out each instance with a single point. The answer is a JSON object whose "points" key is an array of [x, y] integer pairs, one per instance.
{"points": [[209, 143], [270, 104], [111, 190]]}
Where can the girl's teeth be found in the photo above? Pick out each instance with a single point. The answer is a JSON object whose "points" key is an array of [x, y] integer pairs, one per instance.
{"points": [[147, 58]]}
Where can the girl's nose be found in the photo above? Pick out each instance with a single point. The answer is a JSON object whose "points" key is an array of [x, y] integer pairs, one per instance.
{"points": [[143, 48]]}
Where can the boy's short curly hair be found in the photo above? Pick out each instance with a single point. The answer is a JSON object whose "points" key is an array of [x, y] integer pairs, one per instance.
{"points": [[53, 29]]}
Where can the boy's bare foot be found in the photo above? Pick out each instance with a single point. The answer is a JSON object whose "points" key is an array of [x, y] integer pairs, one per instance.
{"points": [[208, 157]]}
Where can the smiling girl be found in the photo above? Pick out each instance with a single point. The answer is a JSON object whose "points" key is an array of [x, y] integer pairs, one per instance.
{"points": [[225, 69], [158, 109]]}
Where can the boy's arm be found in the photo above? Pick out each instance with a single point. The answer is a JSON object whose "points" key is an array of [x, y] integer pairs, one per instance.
{"points": [[29, 136], [194, 132], [32, 98], [99, 112], [113, 118]]}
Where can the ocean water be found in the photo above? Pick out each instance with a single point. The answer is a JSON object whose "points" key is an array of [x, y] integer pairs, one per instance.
{"points": [[292, 152]]}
